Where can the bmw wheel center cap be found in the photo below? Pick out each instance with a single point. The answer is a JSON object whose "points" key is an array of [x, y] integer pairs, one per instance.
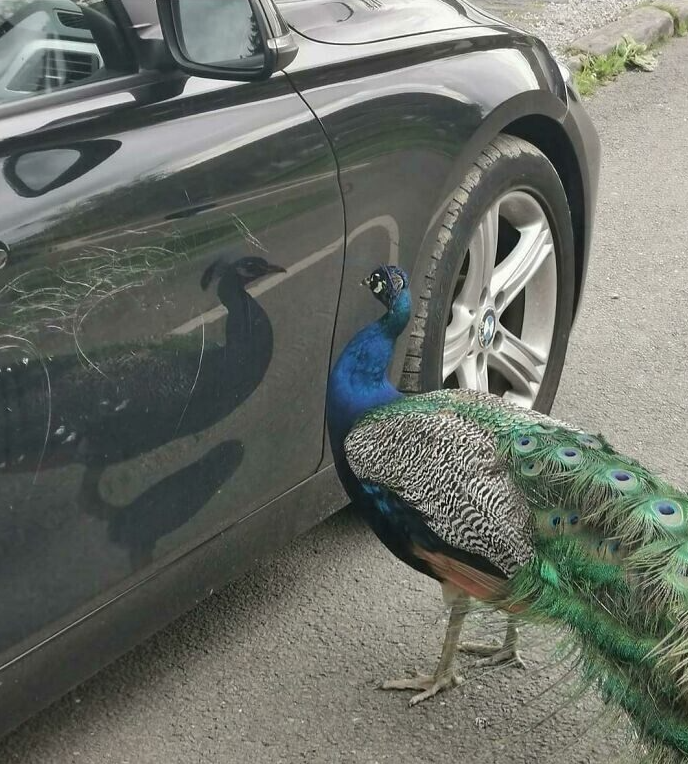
{"points": [[487, 328]]}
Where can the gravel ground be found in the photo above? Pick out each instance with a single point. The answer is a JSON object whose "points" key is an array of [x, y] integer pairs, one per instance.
{"points": [[558, 22], [281, 667]]}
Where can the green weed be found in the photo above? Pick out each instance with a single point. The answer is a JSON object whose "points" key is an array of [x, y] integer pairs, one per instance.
{"points": [[597, 70]]}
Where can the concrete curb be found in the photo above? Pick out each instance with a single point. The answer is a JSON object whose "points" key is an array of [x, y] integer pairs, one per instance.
{"points": [[646, 24]]}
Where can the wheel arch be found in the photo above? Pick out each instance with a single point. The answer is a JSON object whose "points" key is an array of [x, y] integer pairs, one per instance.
{"points": [[536, 116], [549, 136]]}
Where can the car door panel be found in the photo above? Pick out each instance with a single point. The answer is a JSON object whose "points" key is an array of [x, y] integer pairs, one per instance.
{"points": [[161, 376]]}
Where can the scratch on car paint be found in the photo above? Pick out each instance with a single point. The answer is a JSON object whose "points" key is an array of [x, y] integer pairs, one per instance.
{"points": [[78, 321], [55, 298], [248, 236], [193, 386], [13, 342]]}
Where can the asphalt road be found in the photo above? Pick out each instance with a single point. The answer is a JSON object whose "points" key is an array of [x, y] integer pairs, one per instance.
{"points": [[282, 666]]}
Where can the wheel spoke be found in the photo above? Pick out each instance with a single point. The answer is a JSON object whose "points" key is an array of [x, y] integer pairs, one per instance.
{"points": [[457, 343], [512, 275], [473, 357], [473, 374], [522, 365], [483, 252]]}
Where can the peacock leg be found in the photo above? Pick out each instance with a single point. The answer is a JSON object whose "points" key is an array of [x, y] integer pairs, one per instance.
{"points": [[444, 677], [496, 654]]}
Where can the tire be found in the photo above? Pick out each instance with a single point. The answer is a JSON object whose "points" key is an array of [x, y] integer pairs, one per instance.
{"points": [[515, 175]]}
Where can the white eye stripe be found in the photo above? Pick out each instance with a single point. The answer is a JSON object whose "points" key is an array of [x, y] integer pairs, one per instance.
{"points": [[378, 287]]}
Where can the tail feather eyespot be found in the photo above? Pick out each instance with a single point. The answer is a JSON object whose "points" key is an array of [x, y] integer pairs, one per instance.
{"points": [[573, 521], [668, 511], [544, 428], [531, 467], [609, 548], [589, 441], [526, 444], [569, 456], [622, 479]]}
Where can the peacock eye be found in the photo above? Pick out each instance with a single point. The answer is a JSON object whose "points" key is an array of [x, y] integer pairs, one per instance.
{"points": [[531, 468], [608, 548], [622, 479], [668, 511], [569, 456], [666, 507], [525, 444], [589, 441]]}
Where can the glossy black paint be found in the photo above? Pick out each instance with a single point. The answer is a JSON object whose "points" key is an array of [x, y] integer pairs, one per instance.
{"points": [[355, 23], [177, 284], [129, 358]]}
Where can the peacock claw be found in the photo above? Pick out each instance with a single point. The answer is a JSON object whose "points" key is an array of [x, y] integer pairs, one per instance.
{"points": [[430, 685], [495, 654]]}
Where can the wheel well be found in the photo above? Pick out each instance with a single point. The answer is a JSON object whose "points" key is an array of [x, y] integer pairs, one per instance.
{"points": [[549, 136]]}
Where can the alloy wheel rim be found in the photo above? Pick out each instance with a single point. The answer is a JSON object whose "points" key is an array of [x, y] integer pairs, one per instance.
{"points": [[501, 324]]}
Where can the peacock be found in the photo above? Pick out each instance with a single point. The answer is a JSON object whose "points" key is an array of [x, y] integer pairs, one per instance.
{"points": [[525, 513]]}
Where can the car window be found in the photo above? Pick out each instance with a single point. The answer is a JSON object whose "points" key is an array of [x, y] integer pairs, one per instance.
{"points": [[48, 45]]}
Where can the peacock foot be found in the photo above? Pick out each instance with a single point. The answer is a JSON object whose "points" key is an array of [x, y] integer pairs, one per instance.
{"points": [[495, 654], [430, 685]]}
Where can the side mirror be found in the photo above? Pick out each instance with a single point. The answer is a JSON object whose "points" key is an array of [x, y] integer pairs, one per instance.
{"points": [[226, 39]]}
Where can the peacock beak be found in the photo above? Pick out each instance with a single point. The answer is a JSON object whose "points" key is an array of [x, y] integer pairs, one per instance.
{"points": [[366, 281]]}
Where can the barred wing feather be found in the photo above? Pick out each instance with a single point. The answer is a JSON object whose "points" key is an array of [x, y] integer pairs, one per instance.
{"points": [[448, 468]]}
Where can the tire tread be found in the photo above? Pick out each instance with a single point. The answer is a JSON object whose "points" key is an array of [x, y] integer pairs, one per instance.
{"points": [[501, 147]]}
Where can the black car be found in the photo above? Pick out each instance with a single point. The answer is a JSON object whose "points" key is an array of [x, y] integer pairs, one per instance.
{"points": [[190, 194]]}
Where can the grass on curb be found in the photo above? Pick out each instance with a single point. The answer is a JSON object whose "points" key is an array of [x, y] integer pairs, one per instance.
{"points": [[599, 69]]}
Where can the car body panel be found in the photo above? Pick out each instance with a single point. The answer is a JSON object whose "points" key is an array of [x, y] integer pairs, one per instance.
{"points": [[364, 21], [193, 171], [148, 400], [84, 646]]}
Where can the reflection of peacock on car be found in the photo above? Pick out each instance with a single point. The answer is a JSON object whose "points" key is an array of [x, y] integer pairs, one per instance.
{"points": [[132, 399], [523, 512]]}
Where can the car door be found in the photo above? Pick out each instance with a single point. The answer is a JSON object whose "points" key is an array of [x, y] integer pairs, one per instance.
{"points": [[170, 260]]}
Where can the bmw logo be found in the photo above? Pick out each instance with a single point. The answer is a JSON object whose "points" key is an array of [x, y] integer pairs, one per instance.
{"points": [[487, 328]]}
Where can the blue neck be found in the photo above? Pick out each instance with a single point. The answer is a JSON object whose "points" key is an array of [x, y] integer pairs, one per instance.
{"points": [[358, 381]]}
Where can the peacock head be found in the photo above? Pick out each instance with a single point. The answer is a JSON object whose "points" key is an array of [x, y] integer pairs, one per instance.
{"points": [[386, 283], [252, 268], [242, 271]]}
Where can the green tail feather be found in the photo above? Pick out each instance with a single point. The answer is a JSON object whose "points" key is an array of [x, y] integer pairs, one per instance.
{"points": [[611, 559], [621, 658], [617, 538]]}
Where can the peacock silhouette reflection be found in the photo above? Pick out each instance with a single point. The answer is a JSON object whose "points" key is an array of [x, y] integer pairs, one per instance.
{"points": [[164, 507], [133, 399]]}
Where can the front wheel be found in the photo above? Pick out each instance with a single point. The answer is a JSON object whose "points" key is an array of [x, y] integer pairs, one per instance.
{"points": [[496, 308]]}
